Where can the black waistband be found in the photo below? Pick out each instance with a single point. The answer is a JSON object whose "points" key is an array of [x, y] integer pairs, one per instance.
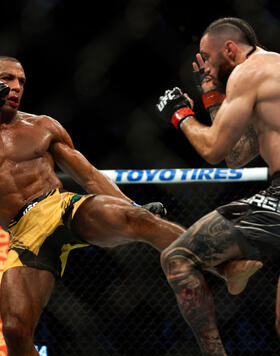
{"points": [[31, 204]]}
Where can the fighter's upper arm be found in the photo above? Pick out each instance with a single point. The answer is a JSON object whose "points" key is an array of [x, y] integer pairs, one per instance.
{"points": [[59, 134], [245, 150], [61, 145], [234, 115]]}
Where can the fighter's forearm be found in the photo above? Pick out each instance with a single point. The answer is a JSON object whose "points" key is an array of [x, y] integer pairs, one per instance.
{"points": [[245, 149], [101, 184], [201, 138], [73, 163]]}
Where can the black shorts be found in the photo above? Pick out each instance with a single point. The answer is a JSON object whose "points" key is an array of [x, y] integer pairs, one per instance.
{"points": [[258, 220]]}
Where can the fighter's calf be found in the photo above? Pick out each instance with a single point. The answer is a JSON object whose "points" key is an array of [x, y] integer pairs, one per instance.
{"points": [[183, 271]]}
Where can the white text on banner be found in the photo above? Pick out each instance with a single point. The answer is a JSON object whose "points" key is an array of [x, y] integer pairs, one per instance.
{"points": [[187, 175]]}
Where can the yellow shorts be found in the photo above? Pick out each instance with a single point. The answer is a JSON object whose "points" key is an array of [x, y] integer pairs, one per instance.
{"points": [[40, 234]]}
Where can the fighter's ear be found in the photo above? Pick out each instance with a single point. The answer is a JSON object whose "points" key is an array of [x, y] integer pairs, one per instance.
{"points": [[230, 49]]}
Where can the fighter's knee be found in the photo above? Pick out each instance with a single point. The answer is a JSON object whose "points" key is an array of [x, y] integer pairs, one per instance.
{"points": [[164, 260], [176, 255], [177, 265], [15, 331]]}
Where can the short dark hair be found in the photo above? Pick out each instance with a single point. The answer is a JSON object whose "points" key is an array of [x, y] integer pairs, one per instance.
{"points": [[234, 26], [7, 58]]}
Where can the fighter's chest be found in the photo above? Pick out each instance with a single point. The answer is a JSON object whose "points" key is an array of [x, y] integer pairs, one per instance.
{"points": [[20, 144]]}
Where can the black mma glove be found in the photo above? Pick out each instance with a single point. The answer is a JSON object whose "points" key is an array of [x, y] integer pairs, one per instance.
{"points": [[154, 208], [174, 106], [211, 98], [199, 77], [4, 91]]}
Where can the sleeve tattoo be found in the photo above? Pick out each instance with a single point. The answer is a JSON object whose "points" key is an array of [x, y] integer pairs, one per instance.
{"points": [[245, 149]]}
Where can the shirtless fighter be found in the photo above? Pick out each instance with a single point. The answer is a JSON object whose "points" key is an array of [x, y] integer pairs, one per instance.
{"points": [[40, 215], [246, 123]]}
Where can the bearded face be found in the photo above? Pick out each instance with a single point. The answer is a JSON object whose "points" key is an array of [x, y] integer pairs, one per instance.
{"points": [[224, 69]]}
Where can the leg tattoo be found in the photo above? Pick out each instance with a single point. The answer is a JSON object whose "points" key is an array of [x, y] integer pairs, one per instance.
{"points": [[196, 303], [207, 243]]}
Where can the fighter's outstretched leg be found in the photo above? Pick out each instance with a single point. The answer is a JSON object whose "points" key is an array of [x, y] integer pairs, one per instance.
{"points": [[108, 221], [25, 292], [208, 243]]}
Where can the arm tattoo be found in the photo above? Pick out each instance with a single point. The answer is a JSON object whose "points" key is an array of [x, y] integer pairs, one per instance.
{"points": [[213, 112], [245, 149]]}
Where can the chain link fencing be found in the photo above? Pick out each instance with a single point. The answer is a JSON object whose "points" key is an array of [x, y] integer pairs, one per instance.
{"points": [[117, 301]]}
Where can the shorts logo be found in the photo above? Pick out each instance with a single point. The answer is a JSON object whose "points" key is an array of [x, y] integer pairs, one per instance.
{"points": [[75, 198], [264, 202], [29, 207]]}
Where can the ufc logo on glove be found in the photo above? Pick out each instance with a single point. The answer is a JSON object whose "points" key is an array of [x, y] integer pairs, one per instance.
{"points": [[168, 95], [174, 106]]}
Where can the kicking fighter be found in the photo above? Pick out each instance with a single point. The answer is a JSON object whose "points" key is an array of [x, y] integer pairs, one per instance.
{"points": [[249, 78], [44, 221]]}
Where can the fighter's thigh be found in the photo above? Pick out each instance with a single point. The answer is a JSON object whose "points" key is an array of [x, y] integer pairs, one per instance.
{"points": [[102, 217], [210, 241], [25, 292]]}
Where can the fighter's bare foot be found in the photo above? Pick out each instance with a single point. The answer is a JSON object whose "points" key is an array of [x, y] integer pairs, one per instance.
{"points": [[238, 274]]}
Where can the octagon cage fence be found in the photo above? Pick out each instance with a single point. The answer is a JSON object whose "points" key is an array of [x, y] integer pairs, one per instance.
{"points": [[117, 301]]}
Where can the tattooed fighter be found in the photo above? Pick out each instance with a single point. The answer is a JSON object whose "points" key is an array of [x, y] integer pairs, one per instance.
{"points": [[247, 89]]}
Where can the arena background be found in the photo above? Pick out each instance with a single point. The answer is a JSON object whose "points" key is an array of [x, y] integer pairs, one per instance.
{"points": [[98, 68]]}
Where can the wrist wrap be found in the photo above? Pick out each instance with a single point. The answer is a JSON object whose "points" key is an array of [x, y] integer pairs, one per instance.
{"points": [[180, 115], [135, 204], [212, 98]]}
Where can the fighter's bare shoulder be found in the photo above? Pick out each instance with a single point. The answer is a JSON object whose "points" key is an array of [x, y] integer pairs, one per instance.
{"points": [[257, 65], [44, 121], [47, 124], [248, 75], [39, 119]]}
